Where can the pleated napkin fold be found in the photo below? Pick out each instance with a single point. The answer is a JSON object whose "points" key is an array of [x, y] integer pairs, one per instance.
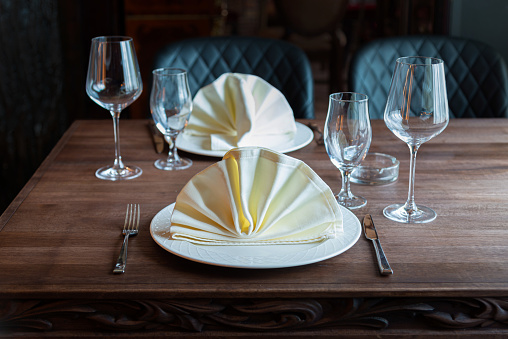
{"points": [[239, 110], [255, 196]]}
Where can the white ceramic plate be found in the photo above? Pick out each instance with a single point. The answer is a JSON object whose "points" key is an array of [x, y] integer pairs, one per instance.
{"points": [[268, 256], [192, 144]]}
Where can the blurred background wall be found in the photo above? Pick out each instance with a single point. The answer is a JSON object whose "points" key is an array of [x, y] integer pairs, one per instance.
{"points": [[44, 47], [484, 20]]}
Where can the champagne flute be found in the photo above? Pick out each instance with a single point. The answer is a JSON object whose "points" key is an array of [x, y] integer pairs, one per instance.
{"points": [[416, 111], [114, 82], [347, 139], [171, 106]]}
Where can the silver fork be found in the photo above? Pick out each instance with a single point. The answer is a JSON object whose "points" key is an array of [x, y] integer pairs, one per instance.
{"points": [[130, 228]]}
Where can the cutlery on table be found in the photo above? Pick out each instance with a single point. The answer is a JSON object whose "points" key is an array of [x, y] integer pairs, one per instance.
{"points": [[318, 134], [157, 137], [130, 228], [370, 233]]}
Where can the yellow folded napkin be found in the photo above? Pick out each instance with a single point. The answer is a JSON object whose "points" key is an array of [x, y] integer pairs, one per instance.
{"points": [[255, 196], [239, 110]]}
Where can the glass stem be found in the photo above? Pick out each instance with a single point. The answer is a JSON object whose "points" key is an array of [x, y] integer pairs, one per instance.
{"points": [[345, 191], [118, 165], [173, 156], [410, 205]]}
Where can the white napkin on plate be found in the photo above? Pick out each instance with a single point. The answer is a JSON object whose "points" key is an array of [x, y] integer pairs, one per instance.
{"points": [[239, 110], [255, 196]]}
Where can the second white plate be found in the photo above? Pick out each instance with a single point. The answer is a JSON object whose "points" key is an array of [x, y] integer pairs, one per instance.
{"points": [[260, 256], [193, 144]]}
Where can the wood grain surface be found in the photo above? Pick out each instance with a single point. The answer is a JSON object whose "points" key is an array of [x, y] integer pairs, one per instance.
{"points": [[60, 237]]}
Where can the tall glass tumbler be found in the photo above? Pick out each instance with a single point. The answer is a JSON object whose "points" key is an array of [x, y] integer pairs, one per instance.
{"points": [[416, 111], [114, 82]]}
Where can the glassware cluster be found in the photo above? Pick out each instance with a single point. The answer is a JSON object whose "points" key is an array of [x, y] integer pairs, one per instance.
{"points": [[416, 111], [114, 82]]}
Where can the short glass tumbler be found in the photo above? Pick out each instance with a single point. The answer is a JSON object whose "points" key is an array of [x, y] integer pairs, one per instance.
{"points": [[347, 137], [171, 106]]}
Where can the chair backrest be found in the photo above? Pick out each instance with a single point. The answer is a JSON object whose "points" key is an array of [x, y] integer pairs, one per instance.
{"points": [[476, 75], [282, 64]]}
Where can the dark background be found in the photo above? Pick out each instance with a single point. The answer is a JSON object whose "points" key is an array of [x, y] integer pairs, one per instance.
{"points": [[44, 47]]}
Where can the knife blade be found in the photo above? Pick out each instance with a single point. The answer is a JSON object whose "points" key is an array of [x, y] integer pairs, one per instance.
{"points": [[158, 139], [370, 233]]}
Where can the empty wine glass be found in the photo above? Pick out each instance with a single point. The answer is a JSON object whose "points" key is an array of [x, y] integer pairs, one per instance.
{"points": [[114, 82], [171, 106], [347, 139], [416, 111]]}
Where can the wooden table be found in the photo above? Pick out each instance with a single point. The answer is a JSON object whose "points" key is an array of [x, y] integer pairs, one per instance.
{"points": [[60, 238]]}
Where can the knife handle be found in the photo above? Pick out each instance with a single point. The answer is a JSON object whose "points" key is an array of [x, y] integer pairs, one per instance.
{"points": [[384, 266]]}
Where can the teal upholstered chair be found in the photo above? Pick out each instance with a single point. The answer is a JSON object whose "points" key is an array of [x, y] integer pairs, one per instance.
{"points": [[280, 63], [476, 74]]}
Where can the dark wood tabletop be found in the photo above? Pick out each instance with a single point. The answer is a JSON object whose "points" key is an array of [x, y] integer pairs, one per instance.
{"points": [[61, 236]]}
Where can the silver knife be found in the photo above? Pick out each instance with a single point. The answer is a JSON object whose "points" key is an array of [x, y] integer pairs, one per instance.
{"points": [[370, 233]]}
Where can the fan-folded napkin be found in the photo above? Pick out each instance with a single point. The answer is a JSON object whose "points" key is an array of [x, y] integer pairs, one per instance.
{"points": [[255, 196], [238, 110]]}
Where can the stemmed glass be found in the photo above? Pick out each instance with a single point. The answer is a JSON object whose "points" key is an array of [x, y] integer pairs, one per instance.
{"points": [[347, 139], [171, 106], [416, 111], [114, 82]]}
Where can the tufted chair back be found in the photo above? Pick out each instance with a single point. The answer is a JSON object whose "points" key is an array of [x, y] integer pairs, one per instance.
{"points": [[476, 75], [283, 65]]}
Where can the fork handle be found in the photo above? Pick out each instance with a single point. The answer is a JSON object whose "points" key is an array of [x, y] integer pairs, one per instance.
{"points": [[122, 258]]}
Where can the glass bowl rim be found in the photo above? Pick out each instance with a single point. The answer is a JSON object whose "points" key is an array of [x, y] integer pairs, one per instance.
{"points": [[437, 60], [395, 161], [365, 97]]}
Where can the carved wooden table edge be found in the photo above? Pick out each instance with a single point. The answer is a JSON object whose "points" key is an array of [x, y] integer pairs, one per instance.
{"points": [[255, 316], [207, 291]]}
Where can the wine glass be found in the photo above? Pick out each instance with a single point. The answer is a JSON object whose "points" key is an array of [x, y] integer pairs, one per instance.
{"points": [[347, 139], [171, 106], [114, 82], [416, 111]]}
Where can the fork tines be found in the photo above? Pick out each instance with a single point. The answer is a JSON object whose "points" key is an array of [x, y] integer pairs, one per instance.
{"points": [[132, 217]]}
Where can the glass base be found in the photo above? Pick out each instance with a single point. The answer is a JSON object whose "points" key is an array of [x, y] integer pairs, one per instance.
{"points": [[421, 215], [114, 174], [351, 203], [166, 165]]}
